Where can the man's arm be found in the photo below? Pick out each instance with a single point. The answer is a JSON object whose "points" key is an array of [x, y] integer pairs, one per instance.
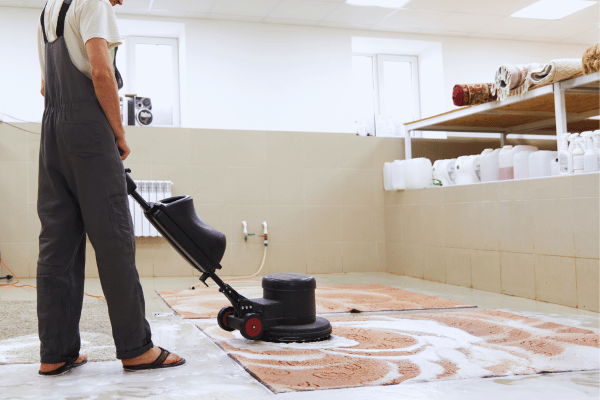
{"points": [[42, 90], [106, 89]]}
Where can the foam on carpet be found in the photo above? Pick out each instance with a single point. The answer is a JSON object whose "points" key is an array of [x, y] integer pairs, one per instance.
{"points": [[206, 302], [19, 342], [382, 350]]}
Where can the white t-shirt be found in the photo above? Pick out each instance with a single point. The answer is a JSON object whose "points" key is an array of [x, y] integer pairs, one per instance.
{"points": [[86, 19]]}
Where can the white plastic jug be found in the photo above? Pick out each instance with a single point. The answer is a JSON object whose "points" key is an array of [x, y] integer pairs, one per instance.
{"points": [[467, 170], [387, 177], [444, 172], [540, 163], [399, 175], [418, 173], [489, 165], [521, 164], [506, 160]]}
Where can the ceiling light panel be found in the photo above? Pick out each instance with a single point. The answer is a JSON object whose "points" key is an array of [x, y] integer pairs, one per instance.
{"points": [[553, 9], [378, 3]]}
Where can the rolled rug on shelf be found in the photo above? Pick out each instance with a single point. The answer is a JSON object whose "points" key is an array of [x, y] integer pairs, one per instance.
{"points": [[511, 79], [554, 71], [473, 94], [591, 60]]}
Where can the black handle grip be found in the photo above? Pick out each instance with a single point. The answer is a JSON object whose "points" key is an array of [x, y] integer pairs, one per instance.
{"points": [[131, 186]]}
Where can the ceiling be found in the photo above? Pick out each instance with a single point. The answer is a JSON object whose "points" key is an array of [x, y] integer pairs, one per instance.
{"points": [[473, 18]]}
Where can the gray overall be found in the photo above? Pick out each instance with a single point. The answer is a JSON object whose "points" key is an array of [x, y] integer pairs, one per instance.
{"points": [[82, 189]]}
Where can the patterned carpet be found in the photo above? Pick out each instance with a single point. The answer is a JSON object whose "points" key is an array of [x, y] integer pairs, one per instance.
{"points": [[19, 343], [206, 302], [382, 350]]}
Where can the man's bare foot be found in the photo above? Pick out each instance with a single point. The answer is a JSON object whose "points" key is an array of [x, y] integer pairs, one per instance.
{"points": [[51, 367], [149, 357]]}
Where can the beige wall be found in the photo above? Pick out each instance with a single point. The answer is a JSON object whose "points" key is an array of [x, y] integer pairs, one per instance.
{"points": [[536, 238], [322, 196]]}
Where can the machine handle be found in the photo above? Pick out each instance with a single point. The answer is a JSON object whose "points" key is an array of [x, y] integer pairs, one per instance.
{"points": [[131, 190], [131, 186]]}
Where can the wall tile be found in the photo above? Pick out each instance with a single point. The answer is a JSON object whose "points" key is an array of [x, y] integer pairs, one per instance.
{"points": [[13, 182], [286, 186], [320, 150], [411, 224], [380, 222], [323, 224], [432, 220], [144, 255], [321, 186], [586, 224], [393, 198], [434, 264], [412, 259], [33, 148], [247, 149], [456, 225], [286, 224], [458, 267], [357, 187], [393, 224], [553, 227], [285, 257], [324, 258], [356, 151], [516, 226], [32, 182], [432, 196], [484, 226], [412, 197], [167, 262], [210, 185], [517, 272], [381, 256], [246, 257], [14, 146], [33, 251], [513, 190], [485, 270], [359, 257], [482, 192], [174, 147], [181, 177], [395, 258], [387, 150], [550, 188], [586, 185], [213, 148], [139, 172], [14, 223], [555, 279], [34, 224], [455, 194], [17, 258], [358, 224], [218, 216], [588, 290], [141, 142], [249, 186], [284, 150], [254, 217]]}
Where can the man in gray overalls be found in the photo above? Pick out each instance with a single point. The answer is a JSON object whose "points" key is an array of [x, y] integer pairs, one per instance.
{"points": [[82, 189]]}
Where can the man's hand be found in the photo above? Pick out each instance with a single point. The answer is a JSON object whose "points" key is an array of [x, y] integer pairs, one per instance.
{"points": [[42, 90], [123, 147]]}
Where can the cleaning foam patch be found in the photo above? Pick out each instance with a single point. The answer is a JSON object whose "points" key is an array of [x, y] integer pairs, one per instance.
{"points": [[384, 350]]}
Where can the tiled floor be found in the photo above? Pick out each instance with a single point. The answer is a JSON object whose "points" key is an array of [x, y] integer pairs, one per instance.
{"points": [[211, 374]]}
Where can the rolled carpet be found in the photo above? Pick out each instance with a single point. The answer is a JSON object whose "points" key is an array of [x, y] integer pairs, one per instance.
{"points": [[554, 71], [473, 94], [591, 60], [511, 79]]}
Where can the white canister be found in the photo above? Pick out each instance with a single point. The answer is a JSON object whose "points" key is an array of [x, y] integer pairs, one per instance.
{"points": [[506, 160], [489, 165], [387, 177], [399, 175], [467, 170], [540, 163], [444, 172], [418, 173], [521, 164]]}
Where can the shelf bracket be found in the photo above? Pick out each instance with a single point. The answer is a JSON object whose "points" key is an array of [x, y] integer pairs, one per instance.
{"points": [[560, 108], [407, 145]]}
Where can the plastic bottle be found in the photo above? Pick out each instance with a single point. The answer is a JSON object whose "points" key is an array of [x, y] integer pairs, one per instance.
{"points": [[443, 172], [521, 164], [578, 154], [467, 170], [565, 158], [387, 177], [572, 139], [506, 160], [597, 145], [489, 165], [419, 173], [399, 175], [590, 158], [554, 167], [540, 163]]}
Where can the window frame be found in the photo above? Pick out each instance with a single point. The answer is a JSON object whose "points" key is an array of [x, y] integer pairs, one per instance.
{"points": [[378, 80], [129, 85]]}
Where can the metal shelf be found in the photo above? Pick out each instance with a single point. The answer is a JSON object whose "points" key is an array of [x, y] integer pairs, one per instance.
{"points": [[558, 107]]}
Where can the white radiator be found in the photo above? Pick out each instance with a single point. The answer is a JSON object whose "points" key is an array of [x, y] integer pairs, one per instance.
{"points": [[151, 191]]}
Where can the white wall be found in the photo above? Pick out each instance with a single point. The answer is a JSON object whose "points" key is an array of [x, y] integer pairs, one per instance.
{"points": [[254, 76]]}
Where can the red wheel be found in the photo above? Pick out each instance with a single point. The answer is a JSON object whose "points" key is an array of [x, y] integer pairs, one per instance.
{"points": [[252, 328], [222, 318]]}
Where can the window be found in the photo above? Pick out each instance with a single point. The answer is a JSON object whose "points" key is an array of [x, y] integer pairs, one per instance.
{"points": [[386, 88], [150, 68]]}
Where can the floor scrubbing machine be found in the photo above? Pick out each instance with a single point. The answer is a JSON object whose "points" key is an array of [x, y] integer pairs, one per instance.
{"points": [[287, 310]]}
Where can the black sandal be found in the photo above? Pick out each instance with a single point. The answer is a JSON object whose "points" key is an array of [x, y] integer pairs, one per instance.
{"points": [[156, 364], [69, 365]]}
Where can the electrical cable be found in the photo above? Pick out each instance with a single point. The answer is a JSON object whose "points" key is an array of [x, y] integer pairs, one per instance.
{"points": [[16, 127], [15, 285], [20, 120]]}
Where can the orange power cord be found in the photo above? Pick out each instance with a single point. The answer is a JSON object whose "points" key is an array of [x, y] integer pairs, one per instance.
{"points": [[15, 285]]}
